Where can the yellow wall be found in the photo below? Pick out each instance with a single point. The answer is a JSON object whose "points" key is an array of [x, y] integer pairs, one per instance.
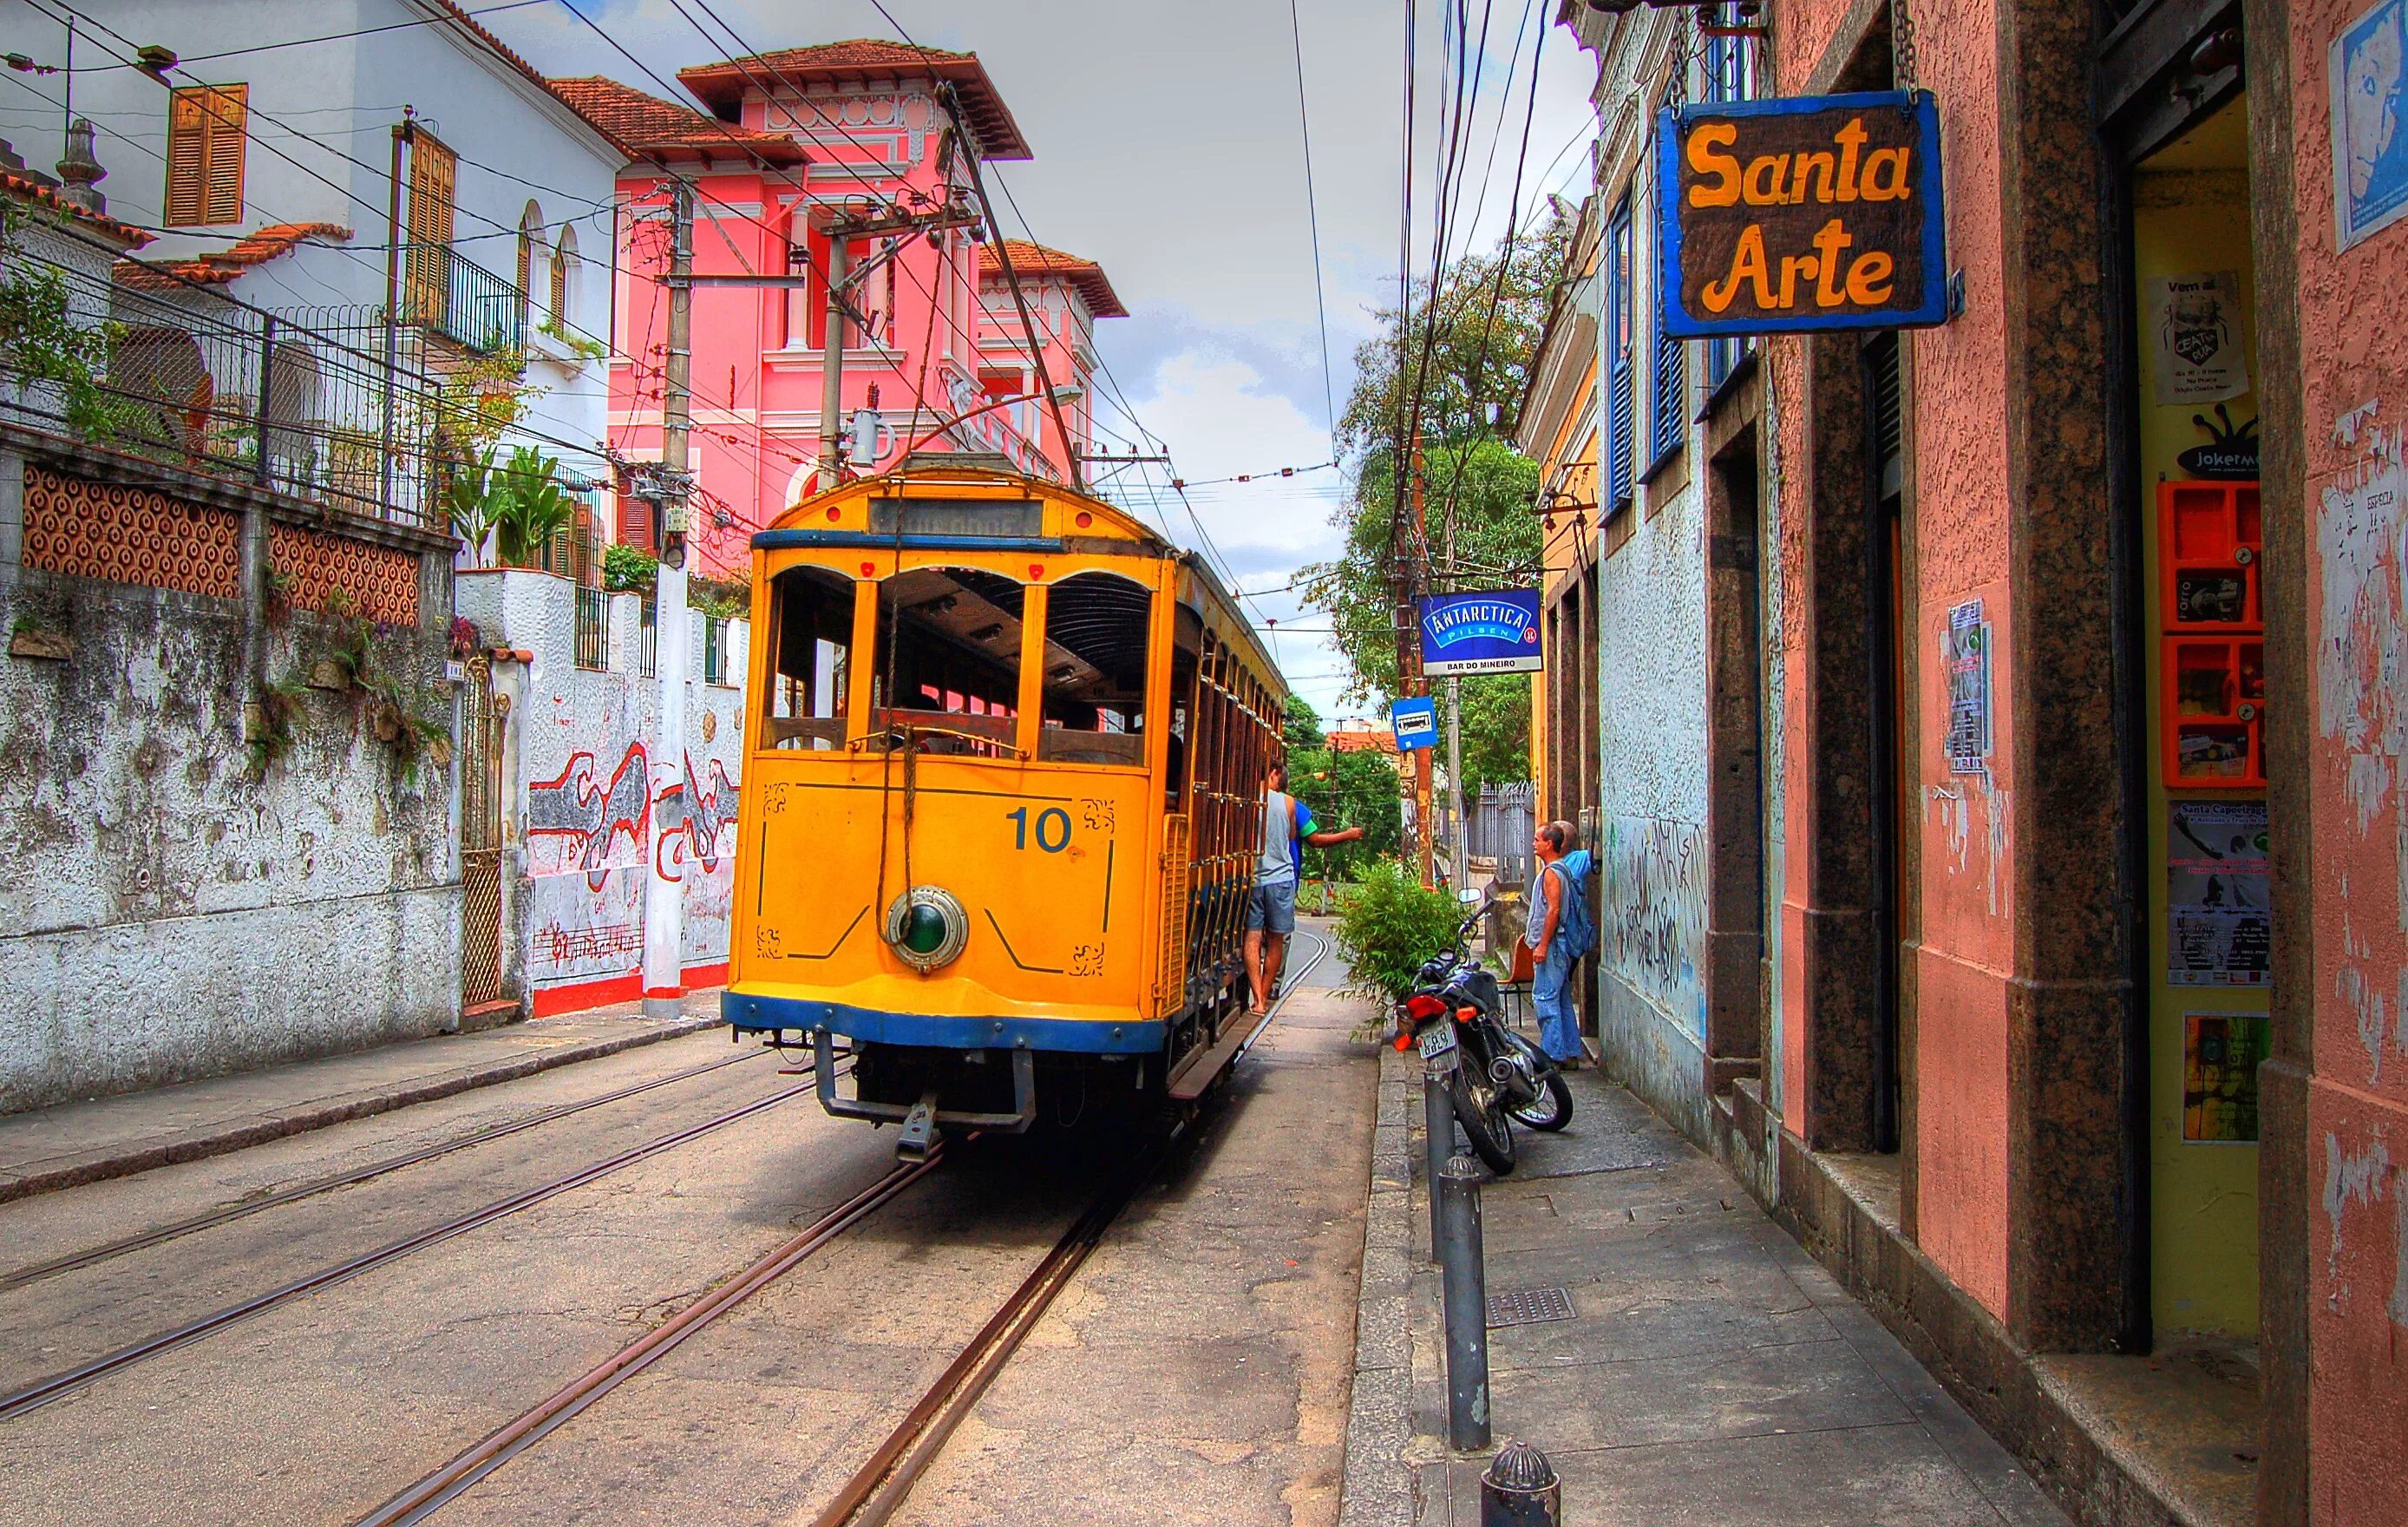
{"points": [[2192, 214]]}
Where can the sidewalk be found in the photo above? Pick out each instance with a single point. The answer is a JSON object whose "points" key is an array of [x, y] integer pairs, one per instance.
{"points": [[45, 1149], [1709, 1373]]}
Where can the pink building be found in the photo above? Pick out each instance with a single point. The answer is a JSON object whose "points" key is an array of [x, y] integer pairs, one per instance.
{"points": [[789, 139]]}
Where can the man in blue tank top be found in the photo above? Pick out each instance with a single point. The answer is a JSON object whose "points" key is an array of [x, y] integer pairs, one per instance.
{"points": [[1270, 911]]}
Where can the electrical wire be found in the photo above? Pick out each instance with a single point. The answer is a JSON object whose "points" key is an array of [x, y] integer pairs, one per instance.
{"points": [[1312, 220]]}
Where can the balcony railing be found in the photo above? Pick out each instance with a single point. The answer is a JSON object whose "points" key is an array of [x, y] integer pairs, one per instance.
{"points": [[315, 404], [460, 300]]}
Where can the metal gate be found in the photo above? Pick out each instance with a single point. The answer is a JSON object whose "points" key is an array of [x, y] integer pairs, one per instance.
{"points": [[480, 837]]}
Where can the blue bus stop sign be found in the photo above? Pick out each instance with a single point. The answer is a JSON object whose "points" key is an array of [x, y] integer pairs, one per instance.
{"points": [[1416, 722]]}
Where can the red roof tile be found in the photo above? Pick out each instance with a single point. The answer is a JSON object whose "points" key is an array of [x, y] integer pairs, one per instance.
{"points": [[26, 188], [1036, 260], [1363, 741], [649, 126], [725, 83], [224, 267]]}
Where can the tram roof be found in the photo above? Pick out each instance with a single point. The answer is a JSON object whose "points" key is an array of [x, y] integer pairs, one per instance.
{"points": [[960, 469]]}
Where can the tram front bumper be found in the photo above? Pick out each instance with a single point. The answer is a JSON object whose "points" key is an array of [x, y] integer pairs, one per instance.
{"points": [[1023, 1094]]}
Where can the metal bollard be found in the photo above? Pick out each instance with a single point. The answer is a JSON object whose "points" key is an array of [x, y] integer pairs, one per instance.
{"points": [[1464, 1285], [1438, 1133], [1520, 1490]]}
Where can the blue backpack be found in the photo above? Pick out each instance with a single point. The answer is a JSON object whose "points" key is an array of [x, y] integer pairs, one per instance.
{"points": [[1573, 926]]}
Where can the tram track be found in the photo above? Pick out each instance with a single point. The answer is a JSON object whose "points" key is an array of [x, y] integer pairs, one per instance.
{"points": [[882, 1483], [886, 1479], [43, 1392], [19, 1277]]}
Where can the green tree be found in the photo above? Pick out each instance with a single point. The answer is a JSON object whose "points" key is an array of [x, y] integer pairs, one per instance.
{"points": [[1466, 357], [1302, 725], [1495, 730], [1344, 790]]}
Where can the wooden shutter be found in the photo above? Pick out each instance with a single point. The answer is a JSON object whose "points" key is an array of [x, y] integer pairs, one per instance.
{"points": [[560, 287], [433, 170], [205, 133]]}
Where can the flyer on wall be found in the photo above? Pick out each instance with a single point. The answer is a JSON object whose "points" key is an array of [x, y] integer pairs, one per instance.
{"points": [[2219, 931]]}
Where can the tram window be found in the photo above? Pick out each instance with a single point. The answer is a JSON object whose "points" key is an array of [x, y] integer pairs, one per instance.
{"points": [[1097, 630], [949, 640], [812, 611]]}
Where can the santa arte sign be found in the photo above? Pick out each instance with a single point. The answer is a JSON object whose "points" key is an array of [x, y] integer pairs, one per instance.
{"points": [[1496, 632], [1800, 214]]}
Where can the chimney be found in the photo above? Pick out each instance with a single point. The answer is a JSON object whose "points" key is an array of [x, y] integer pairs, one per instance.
{"points": [[80, 169]]}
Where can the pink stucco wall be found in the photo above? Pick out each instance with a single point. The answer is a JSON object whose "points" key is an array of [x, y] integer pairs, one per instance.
{"points": [[1959, 551], [943, 340], [2354, 331]]}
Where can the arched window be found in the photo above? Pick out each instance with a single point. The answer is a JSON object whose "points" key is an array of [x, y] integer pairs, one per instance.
{"points": [[1097, 626], [565, 274], [530, 235]]}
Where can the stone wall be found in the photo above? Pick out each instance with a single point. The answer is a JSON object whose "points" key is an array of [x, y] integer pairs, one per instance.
{"points": [[181, 907]]}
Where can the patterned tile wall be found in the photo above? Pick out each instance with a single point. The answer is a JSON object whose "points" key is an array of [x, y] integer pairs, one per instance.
{"points": [[381, 581], [124, 533]]}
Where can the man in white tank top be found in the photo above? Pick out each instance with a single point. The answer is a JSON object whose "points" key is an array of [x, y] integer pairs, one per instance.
{"points": [[1270, 911]]}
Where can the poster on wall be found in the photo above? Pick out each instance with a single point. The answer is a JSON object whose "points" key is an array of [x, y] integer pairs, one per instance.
{"points": [[1965, 658], [2219, 931], [2221, 1052], [2195, 324], [2370, 151]]}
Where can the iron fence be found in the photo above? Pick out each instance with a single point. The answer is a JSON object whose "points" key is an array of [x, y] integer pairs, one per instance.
{"points": [[327, 406], [648, 640], [714, 650], [1499, 826], [592, 628]]}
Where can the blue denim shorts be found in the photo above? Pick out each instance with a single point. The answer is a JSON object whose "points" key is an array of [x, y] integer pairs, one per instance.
{"points": [[1271, 909]]}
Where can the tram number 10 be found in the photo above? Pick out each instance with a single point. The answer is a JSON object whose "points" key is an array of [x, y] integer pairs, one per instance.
{"points": [[1052, 828]]}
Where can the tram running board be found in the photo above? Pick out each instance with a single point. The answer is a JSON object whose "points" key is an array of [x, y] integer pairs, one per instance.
{"points": [[1201, 1067], [919, 1129]]}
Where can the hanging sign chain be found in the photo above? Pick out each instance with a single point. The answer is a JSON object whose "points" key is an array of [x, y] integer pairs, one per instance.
{"points": [[1901, 22]]}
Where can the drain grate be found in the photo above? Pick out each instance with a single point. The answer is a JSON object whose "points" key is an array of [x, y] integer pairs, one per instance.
{"points": [[1528, 1306]]}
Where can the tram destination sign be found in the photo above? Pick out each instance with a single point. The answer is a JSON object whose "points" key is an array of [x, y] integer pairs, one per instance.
{"points": [[1496, 632], [1801, 214]]}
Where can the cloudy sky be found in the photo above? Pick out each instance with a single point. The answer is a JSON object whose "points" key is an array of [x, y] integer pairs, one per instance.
{"points": [[1167, 146]]}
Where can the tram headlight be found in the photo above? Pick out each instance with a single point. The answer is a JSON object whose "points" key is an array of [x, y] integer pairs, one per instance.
{"points": [[926, 927]]}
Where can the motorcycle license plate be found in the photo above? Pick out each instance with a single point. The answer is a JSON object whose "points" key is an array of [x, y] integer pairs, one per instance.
{"points": [[1436, 1040]]}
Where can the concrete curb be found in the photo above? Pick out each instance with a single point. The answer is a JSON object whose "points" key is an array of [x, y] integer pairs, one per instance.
{"points": [[73, 1171], [1381, 1482]]}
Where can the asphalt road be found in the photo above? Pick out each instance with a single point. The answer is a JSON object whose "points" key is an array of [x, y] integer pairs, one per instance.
{"points": [[1195, 1370]]}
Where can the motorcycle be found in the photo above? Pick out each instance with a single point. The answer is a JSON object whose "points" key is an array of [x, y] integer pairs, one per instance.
{"points": [[1494, 1077]]}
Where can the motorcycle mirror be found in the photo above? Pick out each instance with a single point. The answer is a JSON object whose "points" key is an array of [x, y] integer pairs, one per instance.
{"points": [[1469, 897]]}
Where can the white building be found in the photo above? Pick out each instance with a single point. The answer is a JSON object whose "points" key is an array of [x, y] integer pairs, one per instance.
{"points": [[407, 163]]}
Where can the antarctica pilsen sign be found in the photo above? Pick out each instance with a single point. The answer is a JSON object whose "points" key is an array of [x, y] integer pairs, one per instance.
{"points": [[1495, 632], [1798, 214]]}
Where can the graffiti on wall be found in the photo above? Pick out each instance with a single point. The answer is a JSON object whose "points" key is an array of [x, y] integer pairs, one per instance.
{"points": [[590, 842], [1652, 905]]}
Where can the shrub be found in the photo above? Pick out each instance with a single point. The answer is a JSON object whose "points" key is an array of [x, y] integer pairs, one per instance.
{"points": [[629, 569], [1387, 925]]}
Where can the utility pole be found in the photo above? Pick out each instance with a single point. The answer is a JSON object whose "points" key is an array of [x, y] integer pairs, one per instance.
{"points": [[1426, 827], [1454, 846], [1401, 613], [840, 263], [663, 898]]}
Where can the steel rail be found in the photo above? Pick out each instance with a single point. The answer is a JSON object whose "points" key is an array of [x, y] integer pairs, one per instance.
{"points": [[43, 1392], [22, 1275], [428, 1495], [882, 1483]]}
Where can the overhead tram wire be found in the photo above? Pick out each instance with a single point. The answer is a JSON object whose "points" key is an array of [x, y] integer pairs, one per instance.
{"points": [[1504, 265], [1312, 220], [304, 42]]}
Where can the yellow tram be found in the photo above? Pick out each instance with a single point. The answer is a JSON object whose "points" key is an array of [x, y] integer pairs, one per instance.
{"points": [[1002, 802]]}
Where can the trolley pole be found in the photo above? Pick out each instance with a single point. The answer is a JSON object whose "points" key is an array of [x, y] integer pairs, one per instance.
{"points": [[663, 899]]}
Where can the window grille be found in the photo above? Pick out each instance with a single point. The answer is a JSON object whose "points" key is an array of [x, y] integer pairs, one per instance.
{"points": [[648, 633], [592, 628], [714, 650]]}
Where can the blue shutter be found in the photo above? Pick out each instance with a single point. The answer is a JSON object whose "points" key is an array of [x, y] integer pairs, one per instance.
{"points": [[1668, 423], [1621, 410]]}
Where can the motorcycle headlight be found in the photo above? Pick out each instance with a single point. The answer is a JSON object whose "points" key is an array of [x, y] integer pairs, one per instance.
{"points": [[926, 927]]}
